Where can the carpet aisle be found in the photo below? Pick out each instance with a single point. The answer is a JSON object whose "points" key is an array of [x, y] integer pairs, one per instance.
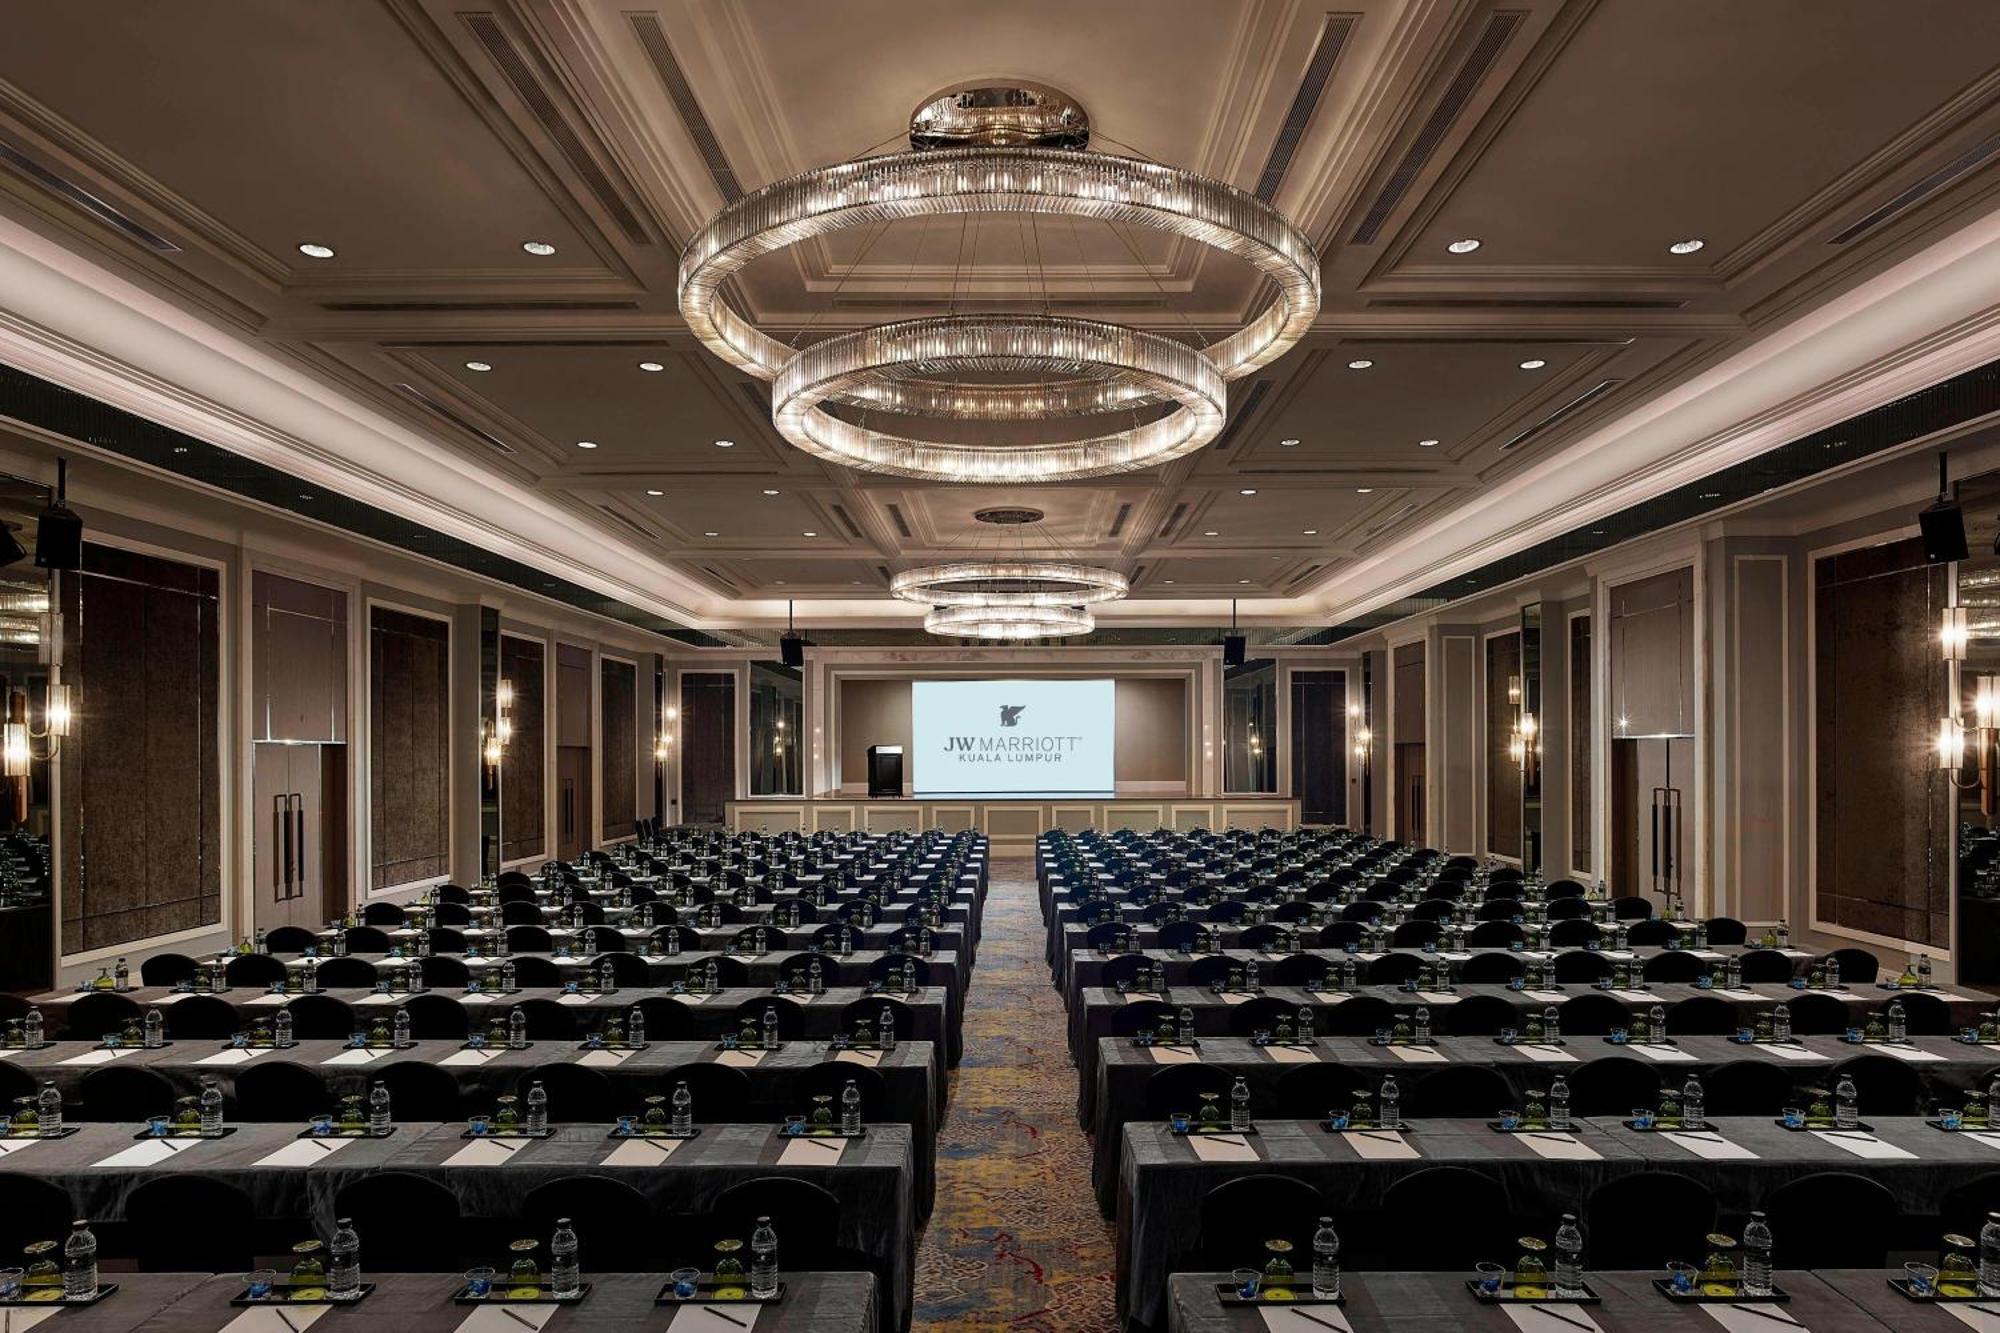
{"points": [[1015, 1240]]}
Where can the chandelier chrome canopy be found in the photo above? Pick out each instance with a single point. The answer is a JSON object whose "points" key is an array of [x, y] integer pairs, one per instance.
{"points": [[1007, 151]]}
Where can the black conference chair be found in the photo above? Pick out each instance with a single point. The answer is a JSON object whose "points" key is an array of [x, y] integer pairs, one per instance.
{"points": [[442, 972], [830, 1078], [1491, 969], [1263, 1013], [1358, 1017], [1926, 1015], [412, 1222], [1816, 1015], [1674, 967], [167, 969], [1393, 969], [1239, 1216], [91, 1016], [1678, 1214], [721, 1095], [319, 1018], [123, 1094], [547, 1019], [1309, 1092], [37, 1209], [1631, 908], [436, 1018], [1766, 966], [1494, 935], [1701, 1016], [577, 1095], [291, 939], [612, 1220], [347, 974], [158, 1235], [666, 1019], [1886, 1085], [1482, 1016], [1648, 934], [1136, 1016], [1482, 1222], [204, 1018], [1573, 934], [368, 939], [1179, 1088], [1459, 1092], [532, 973], [1748, 1087], [796, 1208], [1568, 909], [1726, 932], [419, 1091], [1831, 1219], [280, 1093], [1857, 966], [384, 914], [1301, 970], [1613, 1085], [1594, 1015], [1581, 967]]}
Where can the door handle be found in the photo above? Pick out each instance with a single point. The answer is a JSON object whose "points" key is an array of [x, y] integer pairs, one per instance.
{"points": [[299, 814], [281, 836]]}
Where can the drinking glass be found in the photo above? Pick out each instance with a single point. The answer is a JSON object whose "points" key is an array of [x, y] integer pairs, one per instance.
{"points": [[478, 1281], [1490, 1276], [626, 1124], [795, 1122], [1682, 1275], [1179, 1120], [686, 1282], [158, 1126], [1247, 1281], [1923, 1278], [1642, 1117], [322, 1124], [1620, 1036], [1509, 1036], [479, 1125], [1795, 1117], [260, 1282], [10, 1284], [1950, 1117], [1510, 1119]]}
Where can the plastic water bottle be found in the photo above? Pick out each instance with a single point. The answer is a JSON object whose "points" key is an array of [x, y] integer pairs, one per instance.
{"points": [[343, 1262], [673, 941], [1305, 1025], [771, 1027], [909, 977], [1656, 1025], [635, 1028], [1846, 1109], [1757, 1257], [121, 976], [1923, 971], [281, 1030], [565, 1270], [1326, 1261], [764, 1258], [885, 1029], [79, 1262], [1781, 1024], [850, 1108], [1899, 1023], [1559, 1103], [1388, 1102], [32, 1029], [49, 1110], [538, 1108], [1732, 973], [1551, 1025], [378, 1108], [517, 1030], [683, 1102], [402, 1031], [1420, 1024], [1989, 1256], [156, 1029], [1569, 1257], [210, 1105], [1239, 1105], [1693, 1104], [506, 975]]}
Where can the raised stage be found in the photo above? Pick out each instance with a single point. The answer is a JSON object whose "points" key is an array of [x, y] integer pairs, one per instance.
{"points": [[1012, 824]]}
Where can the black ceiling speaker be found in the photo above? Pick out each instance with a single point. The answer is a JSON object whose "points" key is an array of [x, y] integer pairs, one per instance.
{"points": [[1233, 649], [59, 531], [791, 644], [1942, 524]]}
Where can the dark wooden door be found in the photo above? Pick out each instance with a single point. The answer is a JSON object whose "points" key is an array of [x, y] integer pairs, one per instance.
{"points": [[1410, 793], [572, 801], [1319, 746], [708, 746], [300, 833]]}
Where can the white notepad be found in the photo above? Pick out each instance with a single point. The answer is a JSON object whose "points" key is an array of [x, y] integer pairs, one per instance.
{"points": [[1862, 1145], [270, 1319], [868, 1058], [1973, 1319], [1713, 1147], [353, 1056], [603, 1059], [509, 1318], [1173, 1055], [1418, 1055], [1292, 1055], [1759, 1318], [1550, 1319], [642, 1152], [1559, 1147], [1438, 997], [269, 998], [1634, 996], [486, 1152], [376, 997], [813, 1152], [458, 1059], [149, 1152], [1663, 1055], [1911, 1054], [19, 1319], [1210, 1149], [103, 1055], [1796, 1054], [1546, 1055], [739, 1059], [304, 1152], [741, 1317], [1381, 1145], [235, 1055]]}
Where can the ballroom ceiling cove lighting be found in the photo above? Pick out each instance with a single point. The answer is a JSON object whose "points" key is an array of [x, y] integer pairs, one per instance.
{"points": [[1009, 151], [1020, 583], [1008, 622]]}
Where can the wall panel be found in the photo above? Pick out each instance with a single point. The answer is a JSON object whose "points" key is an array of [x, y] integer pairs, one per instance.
{"points": [[523, 770], [409, 747]]}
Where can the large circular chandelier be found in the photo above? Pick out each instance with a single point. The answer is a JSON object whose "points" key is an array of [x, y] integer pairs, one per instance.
{"points": [[1008, 151], [1019, 596], [1009, 622]]}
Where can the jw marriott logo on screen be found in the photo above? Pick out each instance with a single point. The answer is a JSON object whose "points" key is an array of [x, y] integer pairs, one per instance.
{"points": [[1010, 749], [1010, 714]]}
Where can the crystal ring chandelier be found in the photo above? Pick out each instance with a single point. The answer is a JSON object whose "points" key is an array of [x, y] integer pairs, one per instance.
{"points": [[1023, 583], [1021, 156], [1143, 367], [1009, 622]]}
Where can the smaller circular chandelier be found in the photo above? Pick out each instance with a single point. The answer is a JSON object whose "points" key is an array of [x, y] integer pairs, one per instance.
{"points": [[1040, 584], [1009, 622]]}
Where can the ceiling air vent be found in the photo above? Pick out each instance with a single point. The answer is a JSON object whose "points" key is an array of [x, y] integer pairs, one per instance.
{"points": [[654, 39], [896, 517], [1173, 520], [840, 514], [1568, 409], [1118, 522], [467, 307], [1333, 35], [1472, 70], [1975, 156], [630, 524], [68, 189], [1521, 303], [1251, 401], [439, 410], [542, 106]]}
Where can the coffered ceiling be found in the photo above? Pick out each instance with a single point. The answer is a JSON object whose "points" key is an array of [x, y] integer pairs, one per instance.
{"points": [[1813, 146]]}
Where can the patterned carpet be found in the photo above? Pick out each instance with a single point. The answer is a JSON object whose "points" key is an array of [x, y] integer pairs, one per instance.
{"points": [[1015, 1240]]}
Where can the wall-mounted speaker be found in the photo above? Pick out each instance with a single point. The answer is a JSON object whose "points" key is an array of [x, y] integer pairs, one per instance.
{"points": [[792, 650], [1943, 527], [59, 538], [1233, 646]]}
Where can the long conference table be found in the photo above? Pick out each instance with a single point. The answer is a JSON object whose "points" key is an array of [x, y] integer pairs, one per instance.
{"points": [[1849, 1301], [285, 1177], [422, 1303], [1163, 1177]]}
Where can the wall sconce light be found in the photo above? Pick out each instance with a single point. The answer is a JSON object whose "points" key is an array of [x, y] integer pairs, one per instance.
{"points": [[1954, 634], [1514, 690], [491, 748], [1364, 745], [1524, 744], [662, 748], [15, 754], [1976, 747], [493, 743]]}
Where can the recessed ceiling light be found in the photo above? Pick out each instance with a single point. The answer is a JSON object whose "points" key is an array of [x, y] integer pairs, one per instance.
{"points": [[480, 367], [812, 534], [1166, 580], [1364, 490], [711, 534], [586, 444], [1533, 363], [1248, 490], [1243, 580], [314, 250], [1464, 247], [1309, 532], [1427, 444], [1687, 247], [1211, 533], [651, 367], [539, 249], [725, 444], [1361, 364], [769, 491], [652, 492], [1288, 444], [780, 583]]}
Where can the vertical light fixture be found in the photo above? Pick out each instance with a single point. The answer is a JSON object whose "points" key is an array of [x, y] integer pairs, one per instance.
{"points": [[1954, 634]]}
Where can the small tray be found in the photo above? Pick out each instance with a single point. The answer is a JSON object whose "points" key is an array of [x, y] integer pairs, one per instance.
{"points": [[103, 1289], [705, 1293], [1406, 1041], [9, 1136], [337, 1133], [1400, 1127], [694, 1132], [749, 1049], [1939, 1126], [1502, 1296], [1531, 1041], [1177, 1044], [1291, 1043], [1575, 1129], [828, 1132], [1858, 1127], [613, 1046], [503, 1294], [1665, 1286], [281, 1295], [1657, 1128], [1195, 1131], [548, 1133], [1902, 1288], [1229, 1294], [1792, 1042], [38, 1046], [492, 990], [1636, 1041], [222, 1133], [494, 1048]]}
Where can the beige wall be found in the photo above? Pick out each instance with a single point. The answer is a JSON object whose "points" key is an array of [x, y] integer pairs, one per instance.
{"points": [[1152, 721]]}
